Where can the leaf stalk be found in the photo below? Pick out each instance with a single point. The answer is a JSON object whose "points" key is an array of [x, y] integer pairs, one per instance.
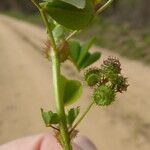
{"points": [[82, 116], [106, 5]]}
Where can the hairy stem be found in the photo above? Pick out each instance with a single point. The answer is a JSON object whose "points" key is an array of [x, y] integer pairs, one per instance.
{"points": [[83, 115], [104, 7], [65, 137]]}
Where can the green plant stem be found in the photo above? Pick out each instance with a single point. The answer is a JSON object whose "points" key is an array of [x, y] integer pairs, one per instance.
{"points": [[108, 3], [59, 102], [72, 34], [83, 115], [56, 81], [46, 23]]}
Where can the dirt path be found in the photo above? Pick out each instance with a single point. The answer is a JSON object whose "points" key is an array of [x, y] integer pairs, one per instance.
{"points": [[26, 85]]}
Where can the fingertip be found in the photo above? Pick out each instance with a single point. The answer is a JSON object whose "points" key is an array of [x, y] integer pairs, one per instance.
{"points": [[85, 143], [49, 142]]}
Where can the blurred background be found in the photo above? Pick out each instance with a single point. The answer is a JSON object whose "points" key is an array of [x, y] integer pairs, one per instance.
{"points": [[25, 77]]}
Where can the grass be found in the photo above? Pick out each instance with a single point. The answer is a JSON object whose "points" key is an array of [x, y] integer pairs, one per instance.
{"points": [[122, 38]]}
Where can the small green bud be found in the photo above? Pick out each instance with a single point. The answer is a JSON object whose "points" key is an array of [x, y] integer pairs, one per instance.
{"points": [[92, 76], [104, 95]]}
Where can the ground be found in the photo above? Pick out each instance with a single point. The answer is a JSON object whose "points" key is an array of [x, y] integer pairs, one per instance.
{"points": [[26, 86]]}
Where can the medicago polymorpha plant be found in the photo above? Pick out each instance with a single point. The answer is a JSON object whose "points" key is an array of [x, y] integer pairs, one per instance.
{"points": [[62, 20]]}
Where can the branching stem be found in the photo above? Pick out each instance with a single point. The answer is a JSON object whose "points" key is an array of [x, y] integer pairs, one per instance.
{"points": [[83, 115], [53, 127]]}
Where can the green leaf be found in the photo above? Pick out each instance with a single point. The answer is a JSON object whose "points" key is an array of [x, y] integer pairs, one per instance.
{"points": [[84, 50], [50, 117], [90, 59], [71, 90], [72, 115], [58, 33], [80, 56], [74, 50], [70, 16], [77, 3]]}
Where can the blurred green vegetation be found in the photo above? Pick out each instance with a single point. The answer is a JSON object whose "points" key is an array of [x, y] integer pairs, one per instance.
{"points": [[122, 38], [34, 18]]}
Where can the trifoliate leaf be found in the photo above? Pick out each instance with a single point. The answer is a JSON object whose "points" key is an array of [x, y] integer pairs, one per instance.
{"points": [[70, 16], [84, 50], [74, 48], [103, 95], [71, 90], [72, 115], [50, 117], [80, 55], [90, 59]]}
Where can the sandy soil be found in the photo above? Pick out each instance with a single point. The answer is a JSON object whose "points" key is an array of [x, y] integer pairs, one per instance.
{"points": [[26, 86]]}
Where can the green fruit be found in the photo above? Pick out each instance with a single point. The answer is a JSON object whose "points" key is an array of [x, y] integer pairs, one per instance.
{"points": [[92, 79], [92, 76], [103, 95], [70, 16]]}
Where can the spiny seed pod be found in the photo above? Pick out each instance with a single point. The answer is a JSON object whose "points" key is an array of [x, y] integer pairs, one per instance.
{"points": [[121, 84], [103, 80], [104, 95], [92, 76], [112, 62], [110, 74], [64, 51]]}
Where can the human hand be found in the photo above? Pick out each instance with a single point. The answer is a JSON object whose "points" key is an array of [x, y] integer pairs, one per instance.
{"points": [[46, 142]]}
